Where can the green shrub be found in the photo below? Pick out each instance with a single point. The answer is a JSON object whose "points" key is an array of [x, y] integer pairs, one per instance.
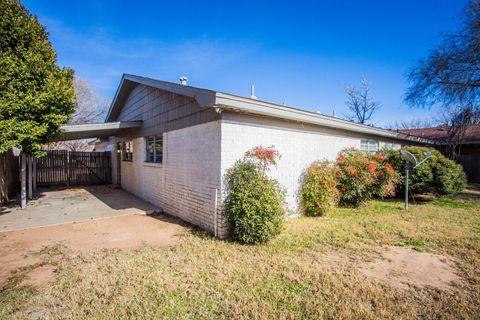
{"points": [[421, 179], [449, 177], [362, 176], [254, 203], [319, 188], [436, 175]]}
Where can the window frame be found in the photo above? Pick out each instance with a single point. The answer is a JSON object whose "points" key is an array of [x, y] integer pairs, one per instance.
{"points": [[370, 143], [127, 155], [155, 155]]}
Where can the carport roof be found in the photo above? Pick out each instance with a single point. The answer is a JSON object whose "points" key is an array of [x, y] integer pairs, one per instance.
{"points": [[96, 130]]}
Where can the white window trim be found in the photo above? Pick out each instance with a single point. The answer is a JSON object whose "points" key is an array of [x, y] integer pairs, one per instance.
{"points": [[369, 143]]}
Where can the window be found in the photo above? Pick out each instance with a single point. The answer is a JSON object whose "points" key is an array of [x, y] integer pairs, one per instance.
{"points": [[154, 151], [127, 151], [369, 145], [389, 146]]}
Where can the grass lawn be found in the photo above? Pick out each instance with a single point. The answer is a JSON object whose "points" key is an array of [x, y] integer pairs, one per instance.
{"points": [[311, 271]]}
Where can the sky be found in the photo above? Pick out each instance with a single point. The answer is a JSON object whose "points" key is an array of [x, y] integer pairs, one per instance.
{"points": [[301, 53]]}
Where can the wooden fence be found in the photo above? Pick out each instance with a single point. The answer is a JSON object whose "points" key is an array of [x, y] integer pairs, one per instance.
{"points": [[471, 166], [62, 167], [9, 176]]}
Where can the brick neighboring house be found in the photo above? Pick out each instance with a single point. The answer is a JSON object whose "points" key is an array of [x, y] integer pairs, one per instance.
{"points": [[175, 143], [469, 146]]}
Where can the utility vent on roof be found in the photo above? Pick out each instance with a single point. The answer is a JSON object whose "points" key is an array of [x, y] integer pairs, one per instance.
{"points": [[252, 92], [183, 81]]}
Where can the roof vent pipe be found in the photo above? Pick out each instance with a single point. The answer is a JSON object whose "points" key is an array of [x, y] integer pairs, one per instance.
{"points": [[183, 81], [252, 92]]}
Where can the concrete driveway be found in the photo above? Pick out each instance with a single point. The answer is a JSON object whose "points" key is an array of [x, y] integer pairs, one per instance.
{"points": [[59, 206]]}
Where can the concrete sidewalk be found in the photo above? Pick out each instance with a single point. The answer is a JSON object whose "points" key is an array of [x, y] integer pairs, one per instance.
{"points": [[60, 206]]}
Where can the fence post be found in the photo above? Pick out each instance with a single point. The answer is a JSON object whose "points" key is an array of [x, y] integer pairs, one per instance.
{"points": [[30, 177], [68, 168], [23, 182], [34, 174]]}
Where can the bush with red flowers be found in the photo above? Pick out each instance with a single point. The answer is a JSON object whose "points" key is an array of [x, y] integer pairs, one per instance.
{"points": [[265, 156], [362, 176], [254, 204]]}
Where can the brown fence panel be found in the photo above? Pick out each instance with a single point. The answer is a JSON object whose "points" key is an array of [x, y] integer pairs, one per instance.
{"points": [[62, 167], [51, 169], [471, 165], [9, 176]]}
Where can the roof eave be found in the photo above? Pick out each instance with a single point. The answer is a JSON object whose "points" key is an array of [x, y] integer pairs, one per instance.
{"points": [[240, 104], [95, 130]]}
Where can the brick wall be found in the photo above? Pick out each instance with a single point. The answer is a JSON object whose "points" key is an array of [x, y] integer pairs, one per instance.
{"points": [[185, 184], [299, 146]]}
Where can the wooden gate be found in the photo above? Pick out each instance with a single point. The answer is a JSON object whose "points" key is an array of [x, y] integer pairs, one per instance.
{"points": [[62, 167]]}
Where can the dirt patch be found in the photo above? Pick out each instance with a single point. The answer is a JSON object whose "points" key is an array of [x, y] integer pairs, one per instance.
{"points": [[10, 261], [123, 232], [40, 276], [404, 267]]}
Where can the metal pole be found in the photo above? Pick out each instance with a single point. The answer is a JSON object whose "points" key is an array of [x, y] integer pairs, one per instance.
{"points": [[406, 186], [215, 213], [23, 182]]}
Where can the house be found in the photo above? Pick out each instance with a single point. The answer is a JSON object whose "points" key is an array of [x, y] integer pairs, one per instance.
{"points": [[468, 146], [172, 143]]}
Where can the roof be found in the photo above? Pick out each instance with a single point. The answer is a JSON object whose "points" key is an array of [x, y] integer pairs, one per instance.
{"points": [[96, 130], [226, 101], [440, 133]]}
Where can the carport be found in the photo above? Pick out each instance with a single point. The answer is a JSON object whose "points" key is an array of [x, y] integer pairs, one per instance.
{"points": [[58, 169]]}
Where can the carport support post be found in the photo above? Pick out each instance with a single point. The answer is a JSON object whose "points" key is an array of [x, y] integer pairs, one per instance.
{"points": [[34, 177], [30, 176], [114, 164], [23, 182]]}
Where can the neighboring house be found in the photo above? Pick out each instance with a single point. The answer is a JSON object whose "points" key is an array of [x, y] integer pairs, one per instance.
{"points": [[468, 146], [175, 142]]}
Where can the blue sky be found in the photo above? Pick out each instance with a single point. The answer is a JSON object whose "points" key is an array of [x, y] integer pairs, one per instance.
{"points": [[302, 53]]}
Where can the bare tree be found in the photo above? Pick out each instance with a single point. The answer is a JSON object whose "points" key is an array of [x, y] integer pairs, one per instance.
{"points": [[457, 120], [450, 75], [360, 103], [91, 108], [411, 124]]}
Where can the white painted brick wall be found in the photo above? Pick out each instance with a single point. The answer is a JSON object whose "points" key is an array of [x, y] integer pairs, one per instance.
{"points": [[299, 146], [184, 185]]}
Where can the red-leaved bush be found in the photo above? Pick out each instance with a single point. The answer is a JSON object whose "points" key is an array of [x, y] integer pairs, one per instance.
{"points": [[266, 156], [362, 176]]}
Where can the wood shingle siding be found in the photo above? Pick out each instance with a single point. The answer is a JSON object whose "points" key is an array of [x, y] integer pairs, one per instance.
{"points": [[162, 111]]}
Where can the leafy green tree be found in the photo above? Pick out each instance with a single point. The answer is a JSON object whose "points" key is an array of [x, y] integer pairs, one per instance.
{"points": [[36, 95]]}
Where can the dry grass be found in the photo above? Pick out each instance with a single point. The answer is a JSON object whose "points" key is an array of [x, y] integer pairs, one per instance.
{"points": [[292, 277]]}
